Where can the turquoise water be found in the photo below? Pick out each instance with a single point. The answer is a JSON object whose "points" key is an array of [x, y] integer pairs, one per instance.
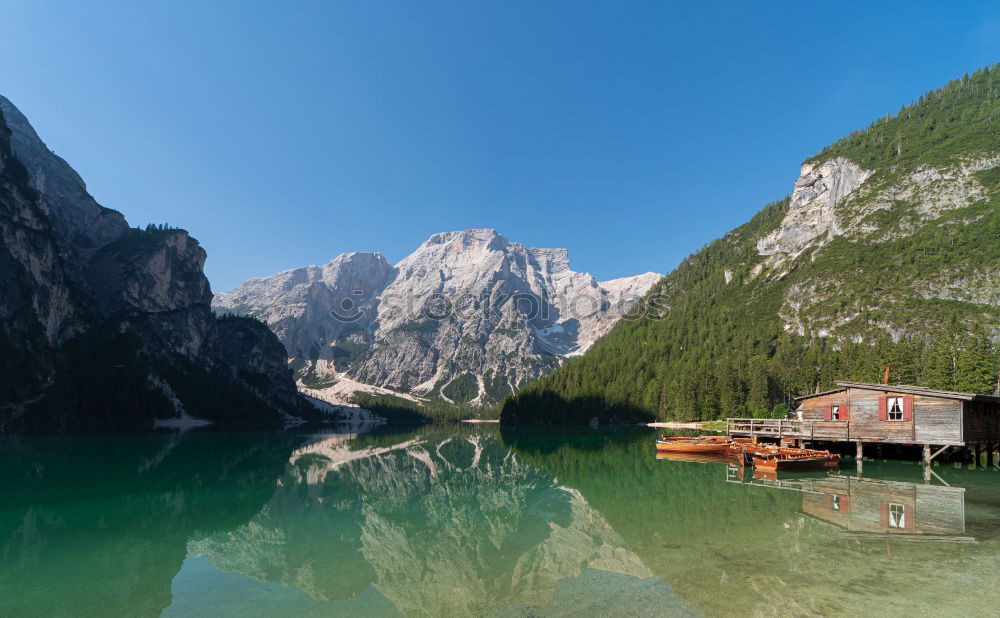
{"points": [[475, 521]]}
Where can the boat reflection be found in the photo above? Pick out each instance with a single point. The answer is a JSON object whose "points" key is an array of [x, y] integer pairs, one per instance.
{"points": [[696, 457]]}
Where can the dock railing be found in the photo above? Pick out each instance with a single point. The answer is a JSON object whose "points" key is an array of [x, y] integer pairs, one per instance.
{"points": [[788, 428]]}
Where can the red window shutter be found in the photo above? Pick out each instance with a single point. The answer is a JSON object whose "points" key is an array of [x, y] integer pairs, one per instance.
{"points": [[845, 504], [908, 516], [844, 413], [828, 500], [883, 409], [907, 408], [828, 413], [883, 510]]}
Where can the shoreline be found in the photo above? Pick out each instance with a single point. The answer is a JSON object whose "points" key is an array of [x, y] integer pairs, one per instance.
{"points": [[700, 425], [480, 420]]}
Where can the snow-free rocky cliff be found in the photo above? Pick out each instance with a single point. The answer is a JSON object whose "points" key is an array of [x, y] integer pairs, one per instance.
{"points": [[468, 317], [106, 327], [839, 199]]}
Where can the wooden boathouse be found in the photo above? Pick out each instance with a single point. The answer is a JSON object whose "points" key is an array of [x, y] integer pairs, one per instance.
{"points": [[885, 414]]}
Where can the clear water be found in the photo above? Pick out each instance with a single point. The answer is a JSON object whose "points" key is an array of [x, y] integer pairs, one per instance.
{"points": [[474, 521]]}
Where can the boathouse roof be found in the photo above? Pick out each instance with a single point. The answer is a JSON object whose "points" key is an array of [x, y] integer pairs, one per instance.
{"points": [[909, 390], [830, 392]]}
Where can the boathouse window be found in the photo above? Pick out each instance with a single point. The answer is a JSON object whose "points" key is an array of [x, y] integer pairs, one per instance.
{"points": [[895, 407], [835, 413], [897, 516]]}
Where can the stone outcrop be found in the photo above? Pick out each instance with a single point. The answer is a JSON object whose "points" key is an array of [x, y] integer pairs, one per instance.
{"points": [[811, 213]]}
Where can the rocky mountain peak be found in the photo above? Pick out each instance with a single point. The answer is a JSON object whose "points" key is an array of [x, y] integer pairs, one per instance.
{"points": [[459, 247], [468, 316], [64, 196], [471, 238]]}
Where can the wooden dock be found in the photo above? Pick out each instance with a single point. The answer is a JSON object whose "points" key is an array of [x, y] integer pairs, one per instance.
{"points": [[779, 428]]}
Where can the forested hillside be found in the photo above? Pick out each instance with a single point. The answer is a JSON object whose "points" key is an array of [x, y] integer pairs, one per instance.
{"points": [[887, 251]]}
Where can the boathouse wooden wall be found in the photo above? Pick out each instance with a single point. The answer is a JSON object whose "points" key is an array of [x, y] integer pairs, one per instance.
{"points": [[865, 423], [935, 420], [814, 408], [938, 420], [981, 421]]}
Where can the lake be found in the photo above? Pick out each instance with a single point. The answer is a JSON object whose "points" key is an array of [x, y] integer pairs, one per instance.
{"points": [[457, 520]]}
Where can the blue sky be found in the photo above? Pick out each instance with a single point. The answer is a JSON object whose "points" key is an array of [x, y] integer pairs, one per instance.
{"points": [[632, 133]]}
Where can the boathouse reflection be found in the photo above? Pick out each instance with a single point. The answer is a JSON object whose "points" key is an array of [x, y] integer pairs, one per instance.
{"points": [[875, 508]]}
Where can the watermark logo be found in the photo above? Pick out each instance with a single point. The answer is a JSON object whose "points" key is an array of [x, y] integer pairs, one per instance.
{"points": [[350, 308], [522, 306]]}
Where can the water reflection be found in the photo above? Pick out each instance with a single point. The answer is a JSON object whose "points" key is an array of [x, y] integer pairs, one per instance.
{"points": [[445, 521], [471, 521], [874, 509], [729, 548], [98, 525]]}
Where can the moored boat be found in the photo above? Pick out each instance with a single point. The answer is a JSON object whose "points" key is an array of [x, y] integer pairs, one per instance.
{"points": [[744, 450], [794, 459], [694, 444]]}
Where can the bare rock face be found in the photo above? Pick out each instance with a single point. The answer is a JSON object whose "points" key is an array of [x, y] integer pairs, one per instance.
{"points": [[837, 198], [833, 199], [62, 193], [106, 327], [310, 308], [467, 317], [811, 213]]}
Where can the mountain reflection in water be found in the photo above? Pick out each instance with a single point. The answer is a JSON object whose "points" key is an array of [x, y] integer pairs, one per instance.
{"points": [[456, 520], [443, 521]]}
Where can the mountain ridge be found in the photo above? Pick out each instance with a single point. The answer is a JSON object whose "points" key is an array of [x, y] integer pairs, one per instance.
{"points": [[466, 318]]}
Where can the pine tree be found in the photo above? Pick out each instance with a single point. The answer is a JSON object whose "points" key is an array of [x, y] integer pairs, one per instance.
{"points": [[976, 365], [941, 358], [758, 394]]}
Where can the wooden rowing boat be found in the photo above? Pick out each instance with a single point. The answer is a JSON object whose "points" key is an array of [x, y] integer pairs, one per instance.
{"points": [[694, 444], [794, 459], [762, 456], [744, 451]]}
